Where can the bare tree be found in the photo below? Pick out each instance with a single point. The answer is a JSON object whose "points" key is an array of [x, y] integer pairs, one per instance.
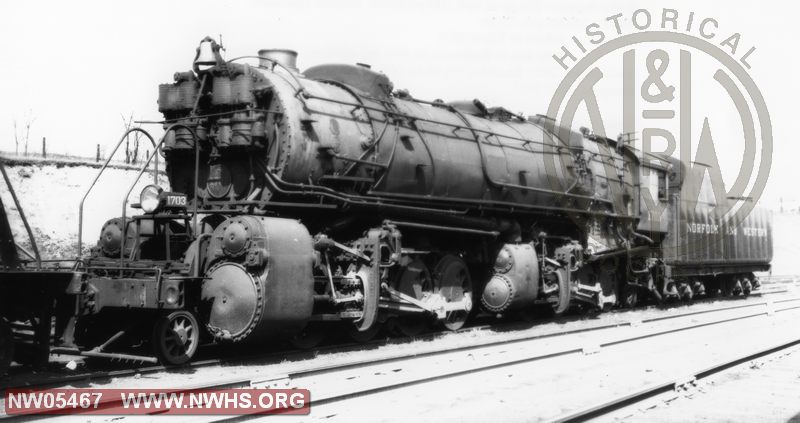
{"points": [[136, 147], [127, 123], [131, 153], [27, 134], [16, 138], [19, 135]]}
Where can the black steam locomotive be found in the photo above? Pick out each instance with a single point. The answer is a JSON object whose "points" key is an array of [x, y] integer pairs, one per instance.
{"points": [[302, 200]]}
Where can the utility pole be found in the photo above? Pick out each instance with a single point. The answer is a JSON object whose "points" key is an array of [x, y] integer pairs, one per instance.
{"points": [[44, 147]]}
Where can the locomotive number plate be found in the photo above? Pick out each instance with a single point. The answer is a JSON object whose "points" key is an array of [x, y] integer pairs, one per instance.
{"points": [[175, 201]]}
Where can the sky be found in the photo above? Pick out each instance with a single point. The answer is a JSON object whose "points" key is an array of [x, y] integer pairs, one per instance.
{"points": [[75, 68]]}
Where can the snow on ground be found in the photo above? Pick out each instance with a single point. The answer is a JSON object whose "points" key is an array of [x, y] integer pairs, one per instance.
{"points": [[50, 194], [786, 243]]}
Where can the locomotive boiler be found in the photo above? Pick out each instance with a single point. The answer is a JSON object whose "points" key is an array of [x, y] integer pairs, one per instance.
{"points": [[300, 200]]}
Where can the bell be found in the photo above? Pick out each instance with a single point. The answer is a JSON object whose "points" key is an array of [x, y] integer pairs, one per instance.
{"points": [[205, 54]]}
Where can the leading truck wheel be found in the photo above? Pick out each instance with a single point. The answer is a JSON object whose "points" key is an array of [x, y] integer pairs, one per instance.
{"points": [[6, 346], [175, 337]]}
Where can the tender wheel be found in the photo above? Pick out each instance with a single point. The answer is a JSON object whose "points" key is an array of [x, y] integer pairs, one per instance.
{"points": [[311, 336], [737, 287], [453, 282], [6, 346], [414, 281], [747, 286], [685, 291], [756, 282], [176, 337], [698, 288], [671, 291]]}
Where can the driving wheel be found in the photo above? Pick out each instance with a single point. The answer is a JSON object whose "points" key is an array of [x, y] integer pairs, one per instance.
{"points": [[454, 283], [414, 281], [364, 336], [559, 300]]}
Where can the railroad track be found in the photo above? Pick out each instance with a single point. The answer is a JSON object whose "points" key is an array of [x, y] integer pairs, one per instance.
{"points": [[53, 381], [300, 376], [255, 359], [635, 396], [777, 279]]}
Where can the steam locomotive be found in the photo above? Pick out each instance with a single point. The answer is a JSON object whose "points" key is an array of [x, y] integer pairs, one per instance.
{"points": [[301, 200]]}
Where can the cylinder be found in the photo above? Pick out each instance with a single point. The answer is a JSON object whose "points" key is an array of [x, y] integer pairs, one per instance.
{"points": [[515, 282], [260, 283]]}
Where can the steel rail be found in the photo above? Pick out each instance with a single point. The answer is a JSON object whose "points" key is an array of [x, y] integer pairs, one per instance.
{"points": [[668, 384], [361, 363], [280, 355], [341, 396], [349, 347]]}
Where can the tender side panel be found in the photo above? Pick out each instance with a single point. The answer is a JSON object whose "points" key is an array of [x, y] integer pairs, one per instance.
{"points": [[701, 241]]}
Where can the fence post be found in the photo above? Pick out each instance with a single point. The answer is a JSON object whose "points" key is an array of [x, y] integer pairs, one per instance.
{"points": [[98, 154], [44, 147]]}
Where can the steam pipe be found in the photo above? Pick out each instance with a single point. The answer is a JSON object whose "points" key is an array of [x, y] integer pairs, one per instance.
{"points": [[303, 189], [493, 234], [196, 156], [369, 149], [353, 200]]}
